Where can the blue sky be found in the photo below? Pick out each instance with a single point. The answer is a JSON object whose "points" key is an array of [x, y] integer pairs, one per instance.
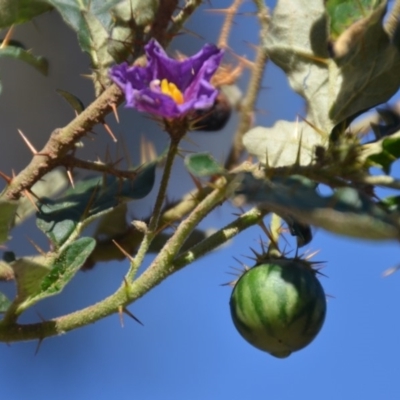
{"points": [[188, 347]]}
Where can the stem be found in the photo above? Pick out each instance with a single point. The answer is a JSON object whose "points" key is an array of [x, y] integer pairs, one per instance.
{"points": [[172, 152], [127, 293], [246, 220], [62, 141], [248, 104], [153, 224]]}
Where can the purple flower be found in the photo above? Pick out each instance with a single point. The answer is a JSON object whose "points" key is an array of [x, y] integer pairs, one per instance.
{"points": [[166, 87]]}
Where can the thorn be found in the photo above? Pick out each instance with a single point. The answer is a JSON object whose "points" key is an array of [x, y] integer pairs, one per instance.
{"points": [[109, 131], [41, 252], [244, 61], [121, 315], [390, 271], [147, 151], [311, 255], [38, 346], [316, 129], [29, 197], [7, 38], [123, 251], [28, 143], [127, 312], [197, 182], [115, 111], [70, 178], [5, 177]]}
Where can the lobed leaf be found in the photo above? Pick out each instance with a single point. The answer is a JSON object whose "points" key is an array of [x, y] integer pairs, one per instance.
{"points": [[285, 143], [90, 198], [360, 77], [337, 82], [347, 212]]}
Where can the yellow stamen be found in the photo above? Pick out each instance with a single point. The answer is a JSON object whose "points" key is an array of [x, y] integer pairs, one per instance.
{"points": [[171, 90]]}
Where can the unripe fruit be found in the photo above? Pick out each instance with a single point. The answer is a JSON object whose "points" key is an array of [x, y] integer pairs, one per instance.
{"points": [[279, 306]]}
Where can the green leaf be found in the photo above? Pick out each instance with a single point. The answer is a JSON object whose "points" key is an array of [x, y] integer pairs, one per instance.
{"points": [[51, 184], [346, 212], [72, 100], [4, 303], [18, 11], [43, 276], [90, 199], [344, 13], [384, 152], [66, 266], [338, 89], [38, 62], [203, 164], [7, 215]]}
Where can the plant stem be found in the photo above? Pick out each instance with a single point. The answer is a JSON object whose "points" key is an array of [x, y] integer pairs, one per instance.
{"points": [[153, 224], [246, 220], [161, 267]]}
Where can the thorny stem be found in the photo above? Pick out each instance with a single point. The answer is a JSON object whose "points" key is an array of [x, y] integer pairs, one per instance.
{"points": [[227, 26], [127, 293], [248, 103], [70, 161], [62, 141], [392, 22], [243, 222]]}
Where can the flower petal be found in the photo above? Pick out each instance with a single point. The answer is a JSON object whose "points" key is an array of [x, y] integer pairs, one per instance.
{"points": [[191, 76]]}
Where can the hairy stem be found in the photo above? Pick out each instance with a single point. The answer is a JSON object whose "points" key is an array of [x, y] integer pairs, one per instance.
{"points": [[162, 267], [152, 228], [246, 220]]}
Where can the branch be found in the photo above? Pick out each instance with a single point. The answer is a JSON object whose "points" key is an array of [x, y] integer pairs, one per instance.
{"points": [[62, 141], [246, 220], [249, 101], [161, 267]]}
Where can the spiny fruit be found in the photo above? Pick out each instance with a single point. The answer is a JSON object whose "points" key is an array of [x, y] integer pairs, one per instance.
{"points": [[279, 306]]}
